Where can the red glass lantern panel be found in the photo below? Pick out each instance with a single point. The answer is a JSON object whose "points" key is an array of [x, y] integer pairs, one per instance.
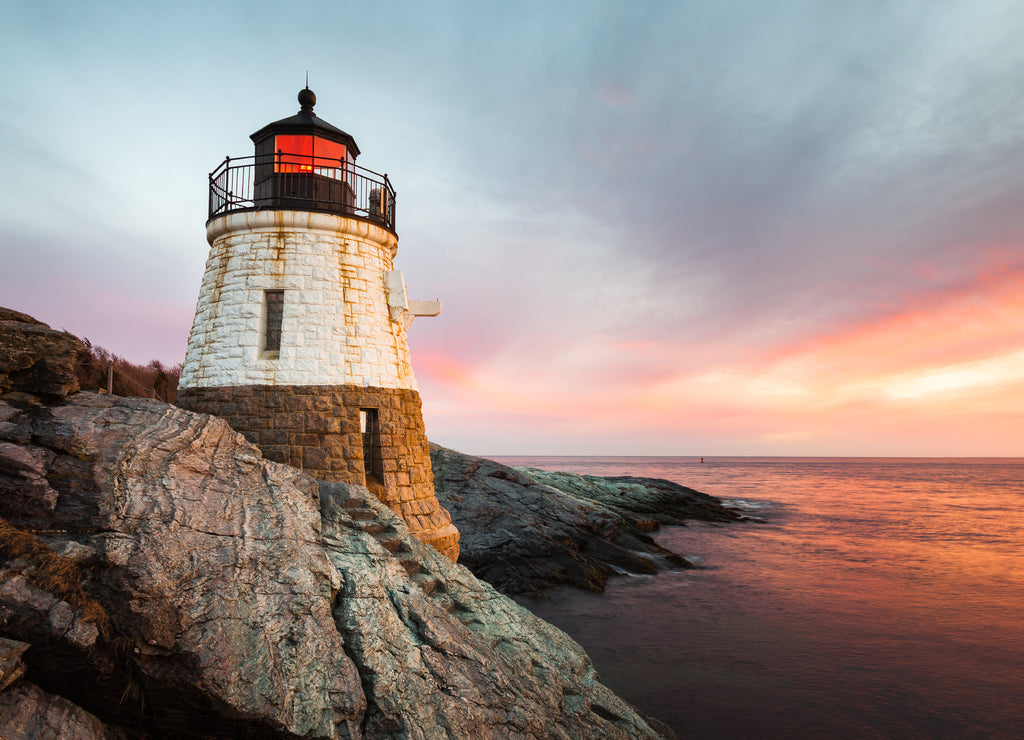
{"points": [[297, 153]]}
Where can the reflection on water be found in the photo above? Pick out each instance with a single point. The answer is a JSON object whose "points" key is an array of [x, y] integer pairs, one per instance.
{"points": [[881, 599]]}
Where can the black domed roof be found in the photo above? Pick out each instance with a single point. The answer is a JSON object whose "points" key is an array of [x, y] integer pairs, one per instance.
{"points": [[306, 122]]}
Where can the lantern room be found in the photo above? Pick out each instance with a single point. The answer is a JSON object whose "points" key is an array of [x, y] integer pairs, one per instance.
{"points": [[302, 163], [304, 142]]}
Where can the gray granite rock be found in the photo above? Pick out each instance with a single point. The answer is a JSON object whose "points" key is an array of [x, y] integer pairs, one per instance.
{"points": [[644, 503], [11, 665], [35, 358], [26, 711], [525, 531], [173, 583], [207, 559], [450, 657], [29, 713]]}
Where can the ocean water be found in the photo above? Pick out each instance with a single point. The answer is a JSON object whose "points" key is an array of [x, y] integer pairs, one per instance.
{"points": [[879, 598]]}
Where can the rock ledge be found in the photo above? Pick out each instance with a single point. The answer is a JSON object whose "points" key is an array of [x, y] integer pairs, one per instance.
{"points": [[168, 581]]}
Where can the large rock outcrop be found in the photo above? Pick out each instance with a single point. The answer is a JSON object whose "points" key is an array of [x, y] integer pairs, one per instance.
{"points": [[36, 358], [525, 531], [169, 581]]}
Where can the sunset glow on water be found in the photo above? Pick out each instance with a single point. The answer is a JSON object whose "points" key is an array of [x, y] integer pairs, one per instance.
{"points": [[880, 599]]}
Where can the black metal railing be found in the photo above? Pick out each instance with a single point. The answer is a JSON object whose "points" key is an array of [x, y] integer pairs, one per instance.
{"points": [[300, 182]]}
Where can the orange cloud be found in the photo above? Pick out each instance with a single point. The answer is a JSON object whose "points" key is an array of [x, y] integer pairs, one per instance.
{"points": [[945, 374]]}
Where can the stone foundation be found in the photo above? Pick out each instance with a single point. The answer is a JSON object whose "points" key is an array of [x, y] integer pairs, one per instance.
{"points": [[317, 428]]}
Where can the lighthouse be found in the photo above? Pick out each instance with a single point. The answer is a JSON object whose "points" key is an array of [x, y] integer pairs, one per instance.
{"points": [[299, 337]]}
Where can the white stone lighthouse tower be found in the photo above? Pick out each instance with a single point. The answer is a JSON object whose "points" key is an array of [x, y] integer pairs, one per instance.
{"points": [[299, 338]]}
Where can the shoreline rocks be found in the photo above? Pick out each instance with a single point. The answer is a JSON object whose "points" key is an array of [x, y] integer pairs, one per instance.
{"points": [[526, 531], [170, 581]]}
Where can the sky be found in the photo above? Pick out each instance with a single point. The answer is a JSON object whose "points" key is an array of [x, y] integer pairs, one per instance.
{"points": [[657, 228]]}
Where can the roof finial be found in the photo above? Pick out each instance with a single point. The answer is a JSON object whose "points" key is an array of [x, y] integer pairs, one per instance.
{"points": [[307, 98]]}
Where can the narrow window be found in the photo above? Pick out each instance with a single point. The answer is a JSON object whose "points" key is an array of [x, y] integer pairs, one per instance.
{"points": [[370, 427], [275, 313]]}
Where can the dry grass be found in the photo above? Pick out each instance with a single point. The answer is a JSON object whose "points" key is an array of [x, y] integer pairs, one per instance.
{"points": [[63, 578], [129, 379], [53, 573]]}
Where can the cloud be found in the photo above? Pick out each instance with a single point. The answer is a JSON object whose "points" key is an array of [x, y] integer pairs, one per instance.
{"points": [[651, 227], [954, 355]]}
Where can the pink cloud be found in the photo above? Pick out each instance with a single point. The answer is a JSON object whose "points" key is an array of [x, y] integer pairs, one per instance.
{"points": [[943, 376]]}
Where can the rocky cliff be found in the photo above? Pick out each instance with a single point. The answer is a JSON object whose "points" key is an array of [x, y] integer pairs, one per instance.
{"points": [[525, 531], [159, 578]]}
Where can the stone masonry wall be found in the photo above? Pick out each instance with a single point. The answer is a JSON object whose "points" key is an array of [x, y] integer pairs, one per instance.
{"points": [[317, 428], [336, 327]]}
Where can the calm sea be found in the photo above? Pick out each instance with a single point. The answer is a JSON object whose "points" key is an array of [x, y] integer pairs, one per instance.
{"points": [[880, 598]]}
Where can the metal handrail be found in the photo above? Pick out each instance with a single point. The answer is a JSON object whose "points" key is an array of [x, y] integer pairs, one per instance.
{"points": [[285, 181]]}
